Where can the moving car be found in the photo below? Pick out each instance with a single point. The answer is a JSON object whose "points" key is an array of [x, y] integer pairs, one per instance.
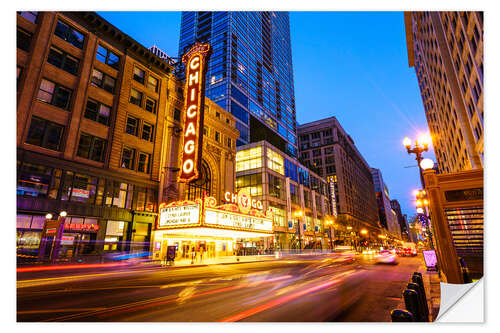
{"points": [[386, 257]]}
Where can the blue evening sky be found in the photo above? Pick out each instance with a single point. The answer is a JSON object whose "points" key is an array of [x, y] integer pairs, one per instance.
{"points": [[351, 65]]}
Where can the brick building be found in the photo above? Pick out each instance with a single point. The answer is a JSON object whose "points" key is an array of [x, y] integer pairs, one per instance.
{"points": [[98, 118]]}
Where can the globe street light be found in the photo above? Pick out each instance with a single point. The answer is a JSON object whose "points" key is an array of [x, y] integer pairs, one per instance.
{"points": [[48, 216], [426, 164]]}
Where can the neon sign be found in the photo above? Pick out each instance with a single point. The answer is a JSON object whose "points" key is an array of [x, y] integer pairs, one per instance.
{"points": [[194, 104], [243, 200]]}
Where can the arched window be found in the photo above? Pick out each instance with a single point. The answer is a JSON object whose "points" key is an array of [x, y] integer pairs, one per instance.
{"points": [[196, 189]]}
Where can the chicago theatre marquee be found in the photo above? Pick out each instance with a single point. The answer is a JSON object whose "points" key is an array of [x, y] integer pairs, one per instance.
{"points": [[200, 209]]}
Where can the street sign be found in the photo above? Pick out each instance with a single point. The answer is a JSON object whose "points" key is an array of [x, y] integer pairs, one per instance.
{"points": [[430, 259]]}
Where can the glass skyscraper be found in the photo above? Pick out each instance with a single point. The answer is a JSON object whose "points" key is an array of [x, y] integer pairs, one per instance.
{"points": [[250, 71]]}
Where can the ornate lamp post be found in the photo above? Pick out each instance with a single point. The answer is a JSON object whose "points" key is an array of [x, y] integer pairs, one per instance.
{"points": [[418, 149]]}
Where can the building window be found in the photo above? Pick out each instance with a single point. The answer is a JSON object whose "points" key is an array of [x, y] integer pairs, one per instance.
{"points": [[275, 161], [30, 16], [177, 114], [23, 40], [91, 147], [128, 158], [252, 183], [106, 56], [144, 162], [229, 143], [132, 126], [69, 34], [249, 159], [101, 80], [150, 105], [153, 83], [139, 75], [45, 134], [147, 131], [63, 61], [54, 94], [315, 135], [217, 115], [217, 136], [97, 111], [276, 188], [135, 97]]}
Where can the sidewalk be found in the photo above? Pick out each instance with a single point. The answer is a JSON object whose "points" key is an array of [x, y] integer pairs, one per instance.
{"points": [[432, 291]]}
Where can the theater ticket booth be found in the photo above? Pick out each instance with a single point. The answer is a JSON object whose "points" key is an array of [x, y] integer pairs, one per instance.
{"points": [[201, 228]]}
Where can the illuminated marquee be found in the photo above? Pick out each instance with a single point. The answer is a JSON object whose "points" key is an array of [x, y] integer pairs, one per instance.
{"points": [[230, 220], [179, 215], [195, 60]]}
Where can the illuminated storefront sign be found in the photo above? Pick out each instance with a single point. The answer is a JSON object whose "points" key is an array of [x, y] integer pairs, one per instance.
{"points": [[80, 227], [243, 200], [195, 60], [331, 183], [238, 221], [179, 215]]}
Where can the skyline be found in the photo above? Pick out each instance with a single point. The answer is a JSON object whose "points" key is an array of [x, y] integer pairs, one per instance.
{"points": [[371, 79]]}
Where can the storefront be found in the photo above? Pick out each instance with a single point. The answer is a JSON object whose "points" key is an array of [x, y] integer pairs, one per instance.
{"points": [[201, 229]]}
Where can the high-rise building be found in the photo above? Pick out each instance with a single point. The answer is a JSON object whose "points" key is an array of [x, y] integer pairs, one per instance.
{"points": [[446, 50], [403, 224], [388, 217], [330, 152], [250, 71]]}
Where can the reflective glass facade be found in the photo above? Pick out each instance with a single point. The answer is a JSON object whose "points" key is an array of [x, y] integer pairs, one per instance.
{"points": [[250, 71]]}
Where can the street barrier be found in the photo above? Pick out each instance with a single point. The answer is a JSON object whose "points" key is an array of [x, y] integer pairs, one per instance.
{"points": [[417, 278], [401, 316], [417, 309], [421, 316]]}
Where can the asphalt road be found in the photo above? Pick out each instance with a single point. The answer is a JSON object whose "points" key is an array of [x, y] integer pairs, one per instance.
{"points": [[296, 288]]}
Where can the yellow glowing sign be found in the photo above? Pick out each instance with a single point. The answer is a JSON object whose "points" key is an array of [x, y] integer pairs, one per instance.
{"points": [[195, 60]]}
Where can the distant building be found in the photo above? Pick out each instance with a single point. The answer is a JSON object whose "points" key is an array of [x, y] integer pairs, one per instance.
{"points": [[327, 149], [403, 224], [387, 216], [162, 55], [446, 50]]}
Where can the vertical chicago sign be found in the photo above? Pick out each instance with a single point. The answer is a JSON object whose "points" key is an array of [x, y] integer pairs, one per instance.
{"points": [[195, 60]]}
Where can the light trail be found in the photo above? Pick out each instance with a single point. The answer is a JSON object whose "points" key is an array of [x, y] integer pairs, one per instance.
{"points": [[277, 302], [61, 267]]}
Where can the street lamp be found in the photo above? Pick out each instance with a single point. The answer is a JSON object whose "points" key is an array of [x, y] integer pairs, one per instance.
{"points": [[426, 164], [63, 214], [364, 231], [48, 216], [298, 216], [330, 224], [418, 149]]}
